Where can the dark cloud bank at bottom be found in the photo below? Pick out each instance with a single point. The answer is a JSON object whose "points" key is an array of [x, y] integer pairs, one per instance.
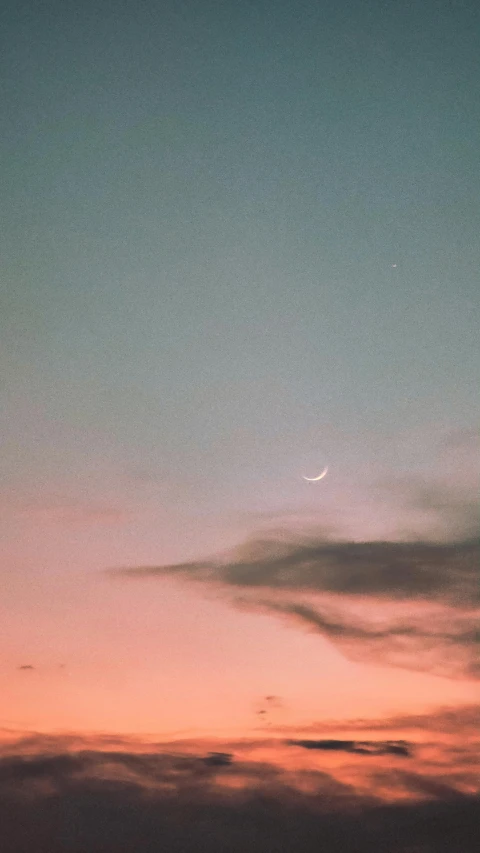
{"points": [[115, 802]]}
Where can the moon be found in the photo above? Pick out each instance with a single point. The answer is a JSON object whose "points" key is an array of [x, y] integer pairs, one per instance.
{"points": [[314, 479]]}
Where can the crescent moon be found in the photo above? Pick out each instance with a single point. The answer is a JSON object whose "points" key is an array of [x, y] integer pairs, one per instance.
{"points": [[320, 476]]}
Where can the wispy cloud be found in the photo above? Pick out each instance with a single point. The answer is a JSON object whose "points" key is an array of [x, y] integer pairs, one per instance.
{"points": [[465, 439], [444, 643], [447, 507], [420, 600], [462, 721]]}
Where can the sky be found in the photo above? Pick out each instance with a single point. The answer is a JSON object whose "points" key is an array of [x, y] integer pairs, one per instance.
{"points": [[239, 243]]}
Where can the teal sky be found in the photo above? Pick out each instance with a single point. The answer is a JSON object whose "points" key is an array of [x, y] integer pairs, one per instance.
{"points": [[234, 233], [239, 241]]}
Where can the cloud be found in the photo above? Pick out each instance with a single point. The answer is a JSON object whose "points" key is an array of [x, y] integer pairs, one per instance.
{"points": [[460, 721], [121, 802], [366, 747], [218, 759], [268, 707], [391, 570], [444, 503], [26, 666], [419, 601], [451, 512], [443, 644]]}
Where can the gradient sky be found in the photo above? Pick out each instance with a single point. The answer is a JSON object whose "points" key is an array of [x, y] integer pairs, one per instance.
{"points": [[239, 241]]}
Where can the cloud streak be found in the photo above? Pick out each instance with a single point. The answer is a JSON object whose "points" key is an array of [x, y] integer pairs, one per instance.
{"points": [[462, 721], [365, 747], [444, 644]]}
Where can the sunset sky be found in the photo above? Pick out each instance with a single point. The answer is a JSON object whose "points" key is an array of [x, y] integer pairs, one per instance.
{"points": [[240, 242]]}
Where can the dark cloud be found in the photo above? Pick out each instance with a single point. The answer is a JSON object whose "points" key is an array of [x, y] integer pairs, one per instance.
{"points": [[113, 802], [365, 747], [392, 570], [268, 707], [26, 666], [218, 759], [315, 583]]}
